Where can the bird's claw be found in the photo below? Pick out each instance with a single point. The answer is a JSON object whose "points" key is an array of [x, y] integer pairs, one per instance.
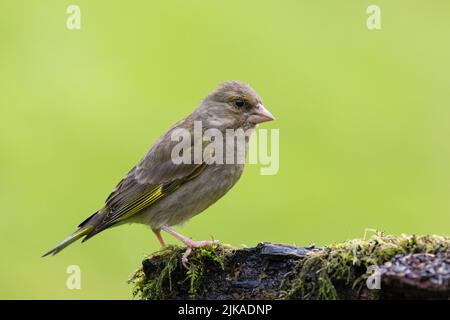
{"points": [[184, 258], [191, 244]]}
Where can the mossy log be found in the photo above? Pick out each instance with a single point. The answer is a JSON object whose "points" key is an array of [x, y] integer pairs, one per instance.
{"points": [[405, 267]]}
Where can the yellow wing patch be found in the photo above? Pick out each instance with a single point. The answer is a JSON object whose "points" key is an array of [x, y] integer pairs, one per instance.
{"points": [[143, 202]]}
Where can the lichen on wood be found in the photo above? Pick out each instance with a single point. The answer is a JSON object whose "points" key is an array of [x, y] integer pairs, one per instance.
{"points": [[346, 264]]}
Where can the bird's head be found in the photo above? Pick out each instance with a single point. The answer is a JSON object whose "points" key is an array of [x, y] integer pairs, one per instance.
{"points": [[233, 105]]}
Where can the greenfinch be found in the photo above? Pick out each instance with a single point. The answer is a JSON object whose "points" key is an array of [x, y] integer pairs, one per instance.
{"points": [[161, 192]]}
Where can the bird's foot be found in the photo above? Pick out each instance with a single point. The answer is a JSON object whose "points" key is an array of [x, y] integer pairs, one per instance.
{"points": [[191, 244]]}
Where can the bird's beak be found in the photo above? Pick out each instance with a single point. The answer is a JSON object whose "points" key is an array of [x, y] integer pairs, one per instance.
{"points": [[260, 114]]}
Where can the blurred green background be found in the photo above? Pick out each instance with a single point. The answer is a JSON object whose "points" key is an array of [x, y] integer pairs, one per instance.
{"points": [[363, 118]]}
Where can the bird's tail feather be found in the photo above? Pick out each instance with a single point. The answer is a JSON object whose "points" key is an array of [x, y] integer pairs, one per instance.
{"points": [[82, 231]]}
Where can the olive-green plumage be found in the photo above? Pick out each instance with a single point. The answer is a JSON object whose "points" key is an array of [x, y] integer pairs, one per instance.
{"points": [[160, 193]]}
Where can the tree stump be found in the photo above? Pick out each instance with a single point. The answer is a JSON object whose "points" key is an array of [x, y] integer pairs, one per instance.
{"points": [[383, 267]]}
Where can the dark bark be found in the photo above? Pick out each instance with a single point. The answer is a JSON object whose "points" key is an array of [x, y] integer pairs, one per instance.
{"points": [[268, 271]]}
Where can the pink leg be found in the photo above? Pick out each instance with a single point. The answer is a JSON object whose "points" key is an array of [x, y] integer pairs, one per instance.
{"points": [[190, 244], [157, 233]]}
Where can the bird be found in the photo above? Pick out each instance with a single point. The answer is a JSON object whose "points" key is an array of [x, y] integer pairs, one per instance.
{"points": [[162, 193]]}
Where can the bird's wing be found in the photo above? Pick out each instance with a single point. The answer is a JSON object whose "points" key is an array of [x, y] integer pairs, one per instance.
{"points": [[155, 177]]}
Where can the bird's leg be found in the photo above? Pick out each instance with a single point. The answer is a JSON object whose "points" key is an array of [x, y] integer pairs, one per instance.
{"points": [[157, 233], [190, 244]]}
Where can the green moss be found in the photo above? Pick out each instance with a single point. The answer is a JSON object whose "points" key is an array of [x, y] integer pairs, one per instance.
{"points": [[151, 288], [197, 265], [167, 262], [346, 263]]}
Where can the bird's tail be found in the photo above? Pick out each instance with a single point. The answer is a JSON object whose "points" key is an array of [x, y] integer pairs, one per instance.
{"points": [[81, 231]]}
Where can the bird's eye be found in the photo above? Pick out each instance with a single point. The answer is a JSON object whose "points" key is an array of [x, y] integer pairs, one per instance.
{"points": [[239, 103]]}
